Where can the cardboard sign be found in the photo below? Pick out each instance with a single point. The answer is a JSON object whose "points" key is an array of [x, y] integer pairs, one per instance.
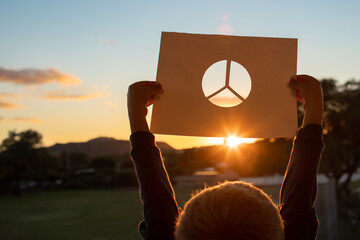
{"points": [[216, 86]]}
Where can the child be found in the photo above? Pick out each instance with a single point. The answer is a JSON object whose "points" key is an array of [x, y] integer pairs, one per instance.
{"points": [[231, 210]]}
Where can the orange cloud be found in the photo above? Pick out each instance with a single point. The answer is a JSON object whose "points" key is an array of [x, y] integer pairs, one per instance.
{"points": [[21, 119], [8, 105], [225, 101], [36, 76], [24, 119], [64, 95], [9, 95]]}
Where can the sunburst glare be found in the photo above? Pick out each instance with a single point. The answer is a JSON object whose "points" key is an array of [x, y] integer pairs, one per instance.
{"points": [[233, 141]]}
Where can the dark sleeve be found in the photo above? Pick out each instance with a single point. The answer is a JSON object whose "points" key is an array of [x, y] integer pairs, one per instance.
{"points": [[157, 195], [299, 188]]}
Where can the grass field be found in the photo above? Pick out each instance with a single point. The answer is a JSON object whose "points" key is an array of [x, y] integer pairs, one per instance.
{"points": [[64, 215], [90, 215], [71, 215]]}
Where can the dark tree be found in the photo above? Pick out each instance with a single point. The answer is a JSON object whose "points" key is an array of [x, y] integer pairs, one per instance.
{"points": [[17, 153], [341, 156], [103, 162], [77, 161]]}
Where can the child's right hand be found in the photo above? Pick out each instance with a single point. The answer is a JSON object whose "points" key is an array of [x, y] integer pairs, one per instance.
{"points": [[140, 96], [309, 92]]}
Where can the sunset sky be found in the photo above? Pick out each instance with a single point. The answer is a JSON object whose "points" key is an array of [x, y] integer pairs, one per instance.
{"points": [[65, 66]]}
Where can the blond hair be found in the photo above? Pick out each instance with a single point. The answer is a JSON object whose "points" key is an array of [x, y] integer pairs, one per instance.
{"points": [[231, 210]]}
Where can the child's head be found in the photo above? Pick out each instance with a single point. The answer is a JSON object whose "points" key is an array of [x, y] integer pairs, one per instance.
{"points": [[231, 210]]}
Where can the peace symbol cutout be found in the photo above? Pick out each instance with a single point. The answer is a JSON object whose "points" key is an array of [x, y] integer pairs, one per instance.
{"points": [[226, 83]]}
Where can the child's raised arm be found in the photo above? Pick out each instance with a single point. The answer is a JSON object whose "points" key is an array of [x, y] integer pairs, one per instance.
{"points": [[299, 188], [160, 209]]}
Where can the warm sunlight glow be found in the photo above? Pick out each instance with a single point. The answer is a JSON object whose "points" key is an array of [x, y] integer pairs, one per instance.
{"points": [[216, 141], [233, 141]]}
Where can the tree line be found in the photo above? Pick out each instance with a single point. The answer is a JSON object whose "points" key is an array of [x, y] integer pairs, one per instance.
{"points": [[26, 165]]}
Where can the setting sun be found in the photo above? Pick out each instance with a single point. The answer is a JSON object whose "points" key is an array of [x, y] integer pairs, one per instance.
{"points": [[233, 141], [230, 141]]}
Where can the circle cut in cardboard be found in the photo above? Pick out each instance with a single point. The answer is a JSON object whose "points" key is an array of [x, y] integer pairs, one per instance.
{"points": [[226, 83]]}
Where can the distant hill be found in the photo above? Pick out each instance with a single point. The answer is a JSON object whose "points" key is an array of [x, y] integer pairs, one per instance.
{"points": [[100, 147]]}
